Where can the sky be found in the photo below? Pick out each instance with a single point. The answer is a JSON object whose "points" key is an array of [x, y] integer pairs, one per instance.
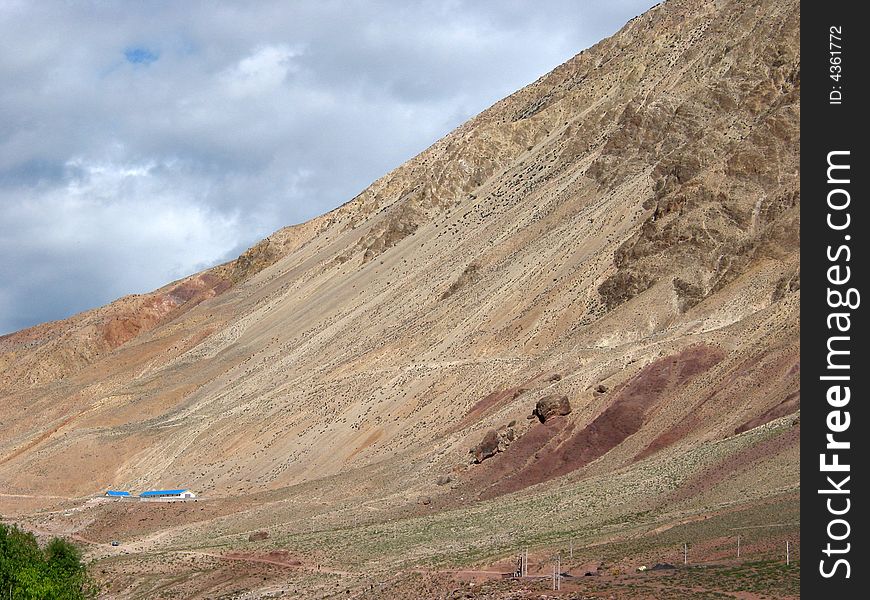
{"points": [[144, 141]]}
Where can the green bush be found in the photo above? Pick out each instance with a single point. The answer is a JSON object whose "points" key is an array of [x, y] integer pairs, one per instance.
{"points": [[27, 572]]}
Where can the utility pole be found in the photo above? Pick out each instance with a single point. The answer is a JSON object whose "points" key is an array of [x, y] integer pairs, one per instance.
{"points": [[738, 546], [685, 553], [787, 554], [557, 572]]}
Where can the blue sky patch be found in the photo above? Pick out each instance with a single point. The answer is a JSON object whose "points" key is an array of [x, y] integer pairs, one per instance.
{"points": [[140, 56]]}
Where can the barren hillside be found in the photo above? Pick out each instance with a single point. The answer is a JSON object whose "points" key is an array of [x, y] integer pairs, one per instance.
{"points": [[623, 232]]}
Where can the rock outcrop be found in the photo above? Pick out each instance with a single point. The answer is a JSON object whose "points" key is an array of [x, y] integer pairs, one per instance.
{"points": [[487, 447], [493, 442], [554, 405]]}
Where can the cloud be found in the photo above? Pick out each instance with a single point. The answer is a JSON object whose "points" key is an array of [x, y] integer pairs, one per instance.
{"points": [[260, 73], [115, 229], [140, 143]]}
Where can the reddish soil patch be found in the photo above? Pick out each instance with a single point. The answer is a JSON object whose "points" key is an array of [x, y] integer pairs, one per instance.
{"points": [[123, 327], [790, 404], [499, 398], [761, 375], [519, 465], [488, 404], [199, 288], [120, 330], [549, 451], [276, 557], [745, 459]]}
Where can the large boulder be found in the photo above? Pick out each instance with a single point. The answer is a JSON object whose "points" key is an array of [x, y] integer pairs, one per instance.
{"points": [[487, 447], [551, 406], [495, 441]]}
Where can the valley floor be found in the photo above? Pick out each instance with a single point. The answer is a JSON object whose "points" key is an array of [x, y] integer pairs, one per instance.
{"points": [[452, 546]]}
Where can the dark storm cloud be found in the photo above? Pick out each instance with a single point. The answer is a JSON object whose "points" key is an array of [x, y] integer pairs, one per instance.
{"points": [[140, 142]]}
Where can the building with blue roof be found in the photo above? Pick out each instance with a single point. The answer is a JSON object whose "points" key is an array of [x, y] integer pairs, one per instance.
{"points": [[179, 494], [117, 494]]}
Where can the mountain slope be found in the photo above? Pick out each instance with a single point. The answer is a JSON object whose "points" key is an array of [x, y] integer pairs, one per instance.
{"points": [[630, 220]]}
